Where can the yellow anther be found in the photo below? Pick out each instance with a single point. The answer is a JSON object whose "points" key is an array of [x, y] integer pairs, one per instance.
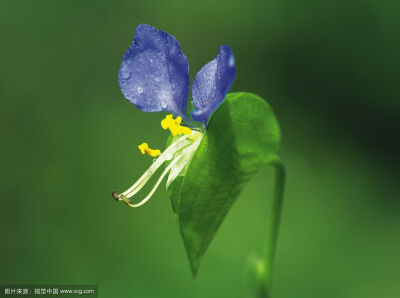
{"points": [[178, 120], [186, 130], [174, 125], [153, 153], [144, 148], [174, 130], [167, 122]]}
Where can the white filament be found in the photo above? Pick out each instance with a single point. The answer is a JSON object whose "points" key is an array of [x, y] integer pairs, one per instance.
{"points": [[181, 150], [155, 186], [187, 155], [166, 155]]}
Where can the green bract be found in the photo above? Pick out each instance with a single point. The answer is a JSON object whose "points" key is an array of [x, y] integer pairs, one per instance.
{"points": [[242, 137]]}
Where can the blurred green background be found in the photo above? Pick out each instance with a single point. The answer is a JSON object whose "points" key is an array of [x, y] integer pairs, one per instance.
{"points": [[330, 70]]}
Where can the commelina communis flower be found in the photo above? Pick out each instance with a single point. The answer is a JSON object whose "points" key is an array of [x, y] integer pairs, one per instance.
{"points": [[154, 76]]}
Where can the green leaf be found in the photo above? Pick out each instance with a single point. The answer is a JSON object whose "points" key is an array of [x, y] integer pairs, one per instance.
{"points": [[242, 137]]}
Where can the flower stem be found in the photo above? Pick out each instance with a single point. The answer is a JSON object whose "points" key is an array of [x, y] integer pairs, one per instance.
{"points": [[263, 267]]}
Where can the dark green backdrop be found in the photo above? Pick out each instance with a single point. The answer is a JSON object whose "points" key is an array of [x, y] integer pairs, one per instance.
{"points": [[330, 70]]}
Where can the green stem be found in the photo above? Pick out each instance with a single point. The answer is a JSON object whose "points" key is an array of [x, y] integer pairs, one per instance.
{"points": [[264, 268]]}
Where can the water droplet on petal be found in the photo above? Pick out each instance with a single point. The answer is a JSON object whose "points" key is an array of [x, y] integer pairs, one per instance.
{"points": [[139, 90], [231, 61], [125, 74], [164, 105]]}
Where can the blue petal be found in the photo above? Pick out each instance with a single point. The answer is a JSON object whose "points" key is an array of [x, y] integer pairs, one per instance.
{"points": [[154, 73], [212, 83]]}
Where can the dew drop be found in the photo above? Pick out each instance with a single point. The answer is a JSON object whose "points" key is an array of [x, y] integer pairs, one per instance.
{"points": [[139, 90], [125, 74], [163, 104], [231, 61]]}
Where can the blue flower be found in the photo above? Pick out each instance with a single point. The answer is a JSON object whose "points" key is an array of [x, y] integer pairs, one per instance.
{"points": [[154, 76]]}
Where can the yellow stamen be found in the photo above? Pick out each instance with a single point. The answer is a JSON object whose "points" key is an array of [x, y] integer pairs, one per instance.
{"points": [[178, 120], [165, 123], [186, 130], [179, 153], [153, 153], [174, 125], [144, 148]]}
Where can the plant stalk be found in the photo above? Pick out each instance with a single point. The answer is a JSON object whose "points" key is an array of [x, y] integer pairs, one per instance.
{"points": [[264, 267]]}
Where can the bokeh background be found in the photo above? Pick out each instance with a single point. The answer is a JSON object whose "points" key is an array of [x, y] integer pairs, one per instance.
{"points": [[330, 70]]}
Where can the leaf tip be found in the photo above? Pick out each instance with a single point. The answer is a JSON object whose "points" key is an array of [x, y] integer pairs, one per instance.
{"points": [[194, 271], [194, 262]]}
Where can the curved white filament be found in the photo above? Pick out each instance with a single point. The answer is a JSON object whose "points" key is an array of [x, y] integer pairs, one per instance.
{"points": [[155, 186], [181, 152], [166, 155]]}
